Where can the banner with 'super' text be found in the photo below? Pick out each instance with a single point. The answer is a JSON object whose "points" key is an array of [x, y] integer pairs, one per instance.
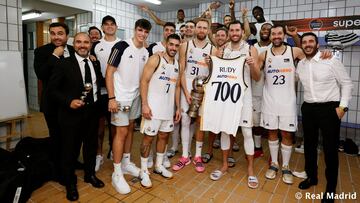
{"points": [[322, 24]]}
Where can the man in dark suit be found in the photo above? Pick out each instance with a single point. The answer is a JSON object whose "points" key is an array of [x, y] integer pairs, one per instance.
{"points": [[78, 118], [45, 58]]}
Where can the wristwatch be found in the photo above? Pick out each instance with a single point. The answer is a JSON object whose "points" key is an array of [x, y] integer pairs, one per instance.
{"points": [[345, 109]]}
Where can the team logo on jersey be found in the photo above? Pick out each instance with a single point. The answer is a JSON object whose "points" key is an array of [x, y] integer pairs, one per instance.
{"points": [[163, 73], [176, 70], [130, 57], [245, 121], [171, 125], [101, 49], [148, 129], [163, 66], [287, 60], [144, 58], [269, 66], [269, 60], [190, 57], [204, 54], [291, 125], [191, 51]]}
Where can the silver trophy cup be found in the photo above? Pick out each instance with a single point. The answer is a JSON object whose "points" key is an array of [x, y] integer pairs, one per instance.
{"points": [[123, 108], [87, 89], [197, 94]]}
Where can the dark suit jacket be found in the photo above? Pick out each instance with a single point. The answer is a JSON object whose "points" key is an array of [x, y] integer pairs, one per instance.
{"points": [[44, 63], [66, 84]]}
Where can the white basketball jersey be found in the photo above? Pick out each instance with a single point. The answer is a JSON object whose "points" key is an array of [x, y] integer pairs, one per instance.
{"points": [[224, 93], [257, 86], [195, 62], [161, 91], [244, 50], [279, 96]]}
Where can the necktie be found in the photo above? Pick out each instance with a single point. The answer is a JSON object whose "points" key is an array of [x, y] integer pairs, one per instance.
{"points": [[88, 79]]}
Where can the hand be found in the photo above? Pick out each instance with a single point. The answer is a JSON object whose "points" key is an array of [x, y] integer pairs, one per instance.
{"points": [[177, 116], [207, 60], [250, 61], [220, 52], [76, 103], [188, 97], [215, 5], [326, 54], [340, 113], [113, 106], [231, 4], [291, 30], [208, 14], [144, 8], [59, 51], [92, 58], [146, 112], [244, 11]]}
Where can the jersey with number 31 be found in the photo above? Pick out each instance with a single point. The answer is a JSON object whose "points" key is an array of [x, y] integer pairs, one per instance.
{"points": [[279, 96]]}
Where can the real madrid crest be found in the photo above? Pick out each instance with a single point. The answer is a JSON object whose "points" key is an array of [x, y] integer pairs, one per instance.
{"points": [[144, 58], [191, 51], [269, 60]]}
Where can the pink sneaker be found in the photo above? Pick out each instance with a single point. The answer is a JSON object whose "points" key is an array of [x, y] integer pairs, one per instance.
{"points": [[183, 161], [199, 166]]}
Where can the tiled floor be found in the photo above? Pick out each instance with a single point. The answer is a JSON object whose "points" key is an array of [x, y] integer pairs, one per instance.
{"points": [[190, 186]]}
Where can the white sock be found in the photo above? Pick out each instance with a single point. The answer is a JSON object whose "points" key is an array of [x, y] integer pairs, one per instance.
{"points": [[151, 154], [225, 141], [126, 159], [185, 134], [144, 163], [274, 150], [257, 141], [286, 154], [198, 148], [175, 137], [159, 159], [248, 140], [117, 168]]}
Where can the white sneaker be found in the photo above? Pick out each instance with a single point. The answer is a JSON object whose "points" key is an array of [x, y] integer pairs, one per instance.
{"points": [[99, 161], [145, 179], [119, 183], [130, 169], [163, 172], [166, 162]]}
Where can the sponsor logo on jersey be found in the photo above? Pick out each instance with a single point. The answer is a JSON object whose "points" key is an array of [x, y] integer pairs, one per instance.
{"points": [[171, 125], [200, 63], [287, 60], [232, 77], [269, 60], [144, 58], [101, 49], [167, 78], [291, 125], [280, 70], [204, 54], [245, 121], [176, 70]]}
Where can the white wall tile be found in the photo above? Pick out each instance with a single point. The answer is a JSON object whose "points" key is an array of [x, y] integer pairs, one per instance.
{"points": [[2, 13], [352, 3], [319, 6], [337, 4], [267, 4], [316, 1], [12, 15], [316, 14], [308, 1], [349, 11], [280, 2], [3, 2], [304, 7], [301, 2], [12, 3], [13, 46], [355, 56], [277, 10], [279, 17], [3, 31], [273, 3], [308, 14], [287, 2], [354, 74], [357, 11], [301, 15], [326, 13], [294, 2], [293, 15], [13, 32], [290, 9], [340, 12], [286, 16], [3, 45]]}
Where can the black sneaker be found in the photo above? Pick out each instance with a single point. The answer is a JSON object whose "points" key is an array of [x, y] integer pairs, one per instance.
{"points": [[341, 145]]}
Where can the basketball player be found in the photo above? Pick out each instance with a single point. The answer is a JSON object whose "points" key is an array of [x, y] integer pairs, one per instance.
{"points": [[192, 63], [238, 47], [160, 91]]}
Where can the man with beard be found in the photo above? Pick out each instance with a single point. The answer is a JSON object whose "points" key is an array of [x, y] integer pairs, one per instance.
{"points": [[169, 29], [236, 48], [125, 66], [278, 107], [44, 61], [182, 31], [101, 50], [160, 94], [189, 31], [258, 14], [257, 89], [95, 34], [327, 92], [192, 63], [78, 118]]}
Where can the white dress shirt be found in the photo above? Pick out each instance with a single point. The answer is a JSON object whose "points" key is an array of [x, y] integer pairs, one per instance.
{"points": [[93, 74], [324, 80]]}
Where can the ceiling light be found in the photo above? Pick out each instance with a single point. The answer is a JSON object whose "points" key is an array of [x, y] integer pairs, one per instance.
{"points": [[157, 2], [30, 14]]}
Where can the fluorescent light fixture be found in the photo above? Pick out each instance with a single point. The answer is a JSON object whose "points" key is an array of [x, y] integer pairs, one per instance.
{"points": [[157, 2], [30, 14]]}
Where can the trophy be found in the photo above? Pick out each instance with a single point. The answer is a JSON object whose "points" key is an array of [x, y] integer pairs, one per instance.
{"points": [[87, 89], [197, 94], [123, 108]]}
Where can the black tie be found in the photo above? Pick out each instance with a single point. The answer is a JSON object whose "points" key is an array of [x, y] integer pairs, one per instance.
{"points": [[88, 79]]}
